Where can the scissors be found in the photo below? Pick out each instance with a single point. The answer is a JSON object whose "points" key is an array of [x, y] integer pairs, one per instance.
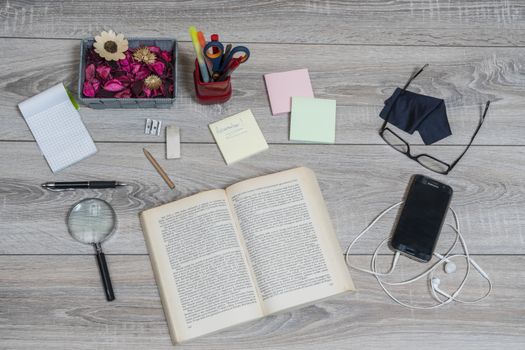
{"points": [[214, 51], [234, 64]]}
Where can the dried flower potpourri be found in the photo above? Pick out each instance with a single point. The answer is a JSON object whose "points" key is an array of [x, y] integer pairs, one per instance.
{"points": [[128, 77]]}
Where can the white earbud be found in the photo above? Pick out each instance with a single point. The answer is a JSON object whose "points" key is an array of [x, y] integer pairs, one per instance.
{"points": [[450, 266], [434, 282]]}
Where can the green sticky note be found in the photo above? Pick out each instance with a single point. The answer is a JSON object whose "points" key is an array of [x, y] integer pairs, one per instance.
{"points": [[313, 120], [72, 99]]}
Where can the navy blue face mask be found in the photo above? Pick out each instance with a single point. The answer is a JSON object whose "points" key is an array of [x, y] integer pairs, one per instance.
{"points": [[427, 115]]}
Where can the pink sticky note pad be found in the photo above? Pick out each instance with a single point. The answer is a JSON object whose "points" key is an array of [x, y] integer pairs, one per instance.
{"points": [[282, 86]]}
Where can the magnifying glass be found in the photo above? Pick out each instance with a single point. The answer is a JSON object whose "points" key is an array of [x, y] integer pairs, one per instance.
{"points": [[92, 221]]}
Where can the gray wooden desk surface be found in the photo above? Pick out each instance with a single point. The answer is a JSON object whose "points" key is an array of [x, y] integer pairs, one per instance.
{"points": [[357, 53]]}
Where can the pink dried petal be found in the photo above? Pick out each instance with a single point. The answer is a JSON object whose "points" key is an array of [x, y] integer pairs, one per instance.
{"points": [[124, 80], [113, 85], [142, 73], [88, 89], [158, 67], [135, 67], [123, 94], [103, 72], [147, 91], [154, 49], [166, 56], [90, 72], [128, 56], [96, 84], [125, 64]]}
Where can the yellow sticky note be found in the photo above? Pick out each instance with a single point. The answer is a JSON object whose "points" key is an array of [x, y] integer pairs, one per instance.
{"points": [[238, 136]]}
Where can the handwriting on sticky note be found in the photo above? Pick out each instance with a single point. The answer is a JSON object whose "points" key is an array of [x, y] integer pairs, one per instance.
{"points": [[238, 136], [231, 128]]}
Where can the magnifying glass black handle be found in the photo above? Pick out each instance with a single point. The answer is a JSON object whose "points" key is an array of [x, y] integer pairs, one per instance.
{"points": [[104, 274]]}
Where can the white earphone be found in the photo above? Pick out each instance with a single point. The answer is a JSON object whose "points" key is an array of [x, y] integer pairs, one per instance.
{"points": [[446, 260], [449, 267], [434, 288]]}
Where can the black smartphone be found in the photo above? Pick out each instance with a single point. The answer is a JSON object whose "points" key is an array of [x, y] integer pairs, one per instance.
{"points": [[422, 217]]}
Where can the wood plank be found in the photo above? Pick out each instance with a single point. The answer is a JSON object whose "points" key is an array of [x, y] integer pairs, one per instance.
{"points": [[54, 302], [420, 22], [466, 78], [357, 182]]}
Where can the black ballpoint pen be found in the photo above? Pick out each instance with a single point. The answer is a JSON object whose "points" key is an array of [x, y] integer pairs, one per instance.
{"points": [[63, 186]]}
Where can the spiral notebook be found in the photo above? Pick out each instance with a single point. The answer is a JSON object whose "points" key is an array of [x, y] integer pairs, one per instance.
{"points": [[58, 130]]}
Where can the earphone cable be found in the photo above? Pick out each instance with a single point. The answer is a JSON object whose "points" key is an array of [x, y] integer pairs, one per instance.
{"points": [[446, 258]]}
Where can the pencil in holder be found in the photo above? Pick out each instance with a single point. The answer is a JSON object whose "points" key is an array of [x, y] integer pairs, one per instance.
{"points": [[212, 92]]}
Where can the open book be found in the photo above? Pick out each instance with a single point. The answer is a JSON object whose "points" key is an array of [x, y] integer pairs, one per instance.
{"points": [[224, 257]]}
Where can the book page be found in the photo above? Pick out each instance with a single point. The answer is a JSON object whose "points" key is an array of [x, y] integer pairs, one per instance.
{"points": [[201, 270], [292, 247]]}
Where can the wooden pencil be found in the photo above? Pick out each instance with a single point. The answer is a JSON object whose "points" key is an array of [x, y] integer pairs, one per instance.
{"points": [[159, 169]]}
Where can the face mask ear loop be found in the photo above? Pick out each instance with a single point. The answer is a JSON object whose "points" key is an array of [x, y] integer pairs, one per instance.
{"points": [[414, 77]]}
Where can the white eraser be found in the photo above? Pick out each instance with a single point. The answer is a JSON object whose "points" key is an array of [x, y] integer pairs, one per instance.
{"points": [[172, 142]]}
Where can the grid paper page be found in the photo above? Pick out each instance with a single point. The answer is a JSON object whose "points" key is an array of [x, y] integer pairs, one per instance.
{"points": [[60, 134]]}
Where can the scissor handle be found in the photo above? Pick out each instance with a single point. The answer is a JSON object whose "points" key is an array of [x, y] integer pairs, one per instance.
{"points": [[240, 49], [209, 51], [234, 54], [213, 52]]}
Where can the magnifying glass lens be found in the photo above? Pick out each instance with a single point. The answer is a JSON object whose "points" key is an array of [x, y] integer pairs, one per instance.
{"points": [[91, 221]]}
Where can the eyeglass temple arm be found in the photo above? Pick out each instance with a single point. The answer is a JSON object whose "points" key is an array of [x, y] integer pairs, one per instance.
{"points": [[414, 76], [473, 136], [404, 88]]}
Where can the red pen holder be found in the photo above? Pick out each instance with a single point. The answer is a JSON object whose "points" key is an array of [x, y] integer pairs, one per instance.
{"points": [[212, 92]]}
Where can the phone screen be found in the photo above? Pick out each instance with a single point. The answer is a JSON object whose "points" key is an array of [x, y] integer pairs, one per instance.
{"points": [[422, 217]]}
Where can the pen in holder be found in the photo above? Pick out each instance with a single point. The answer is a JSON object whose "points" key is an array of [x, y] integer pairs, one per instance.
{"points": [[212, 92]]}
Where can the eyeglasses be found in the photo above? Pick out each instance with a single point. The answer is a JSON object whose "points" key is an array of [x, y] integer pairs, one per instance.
{"points": [[426, 160]]}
